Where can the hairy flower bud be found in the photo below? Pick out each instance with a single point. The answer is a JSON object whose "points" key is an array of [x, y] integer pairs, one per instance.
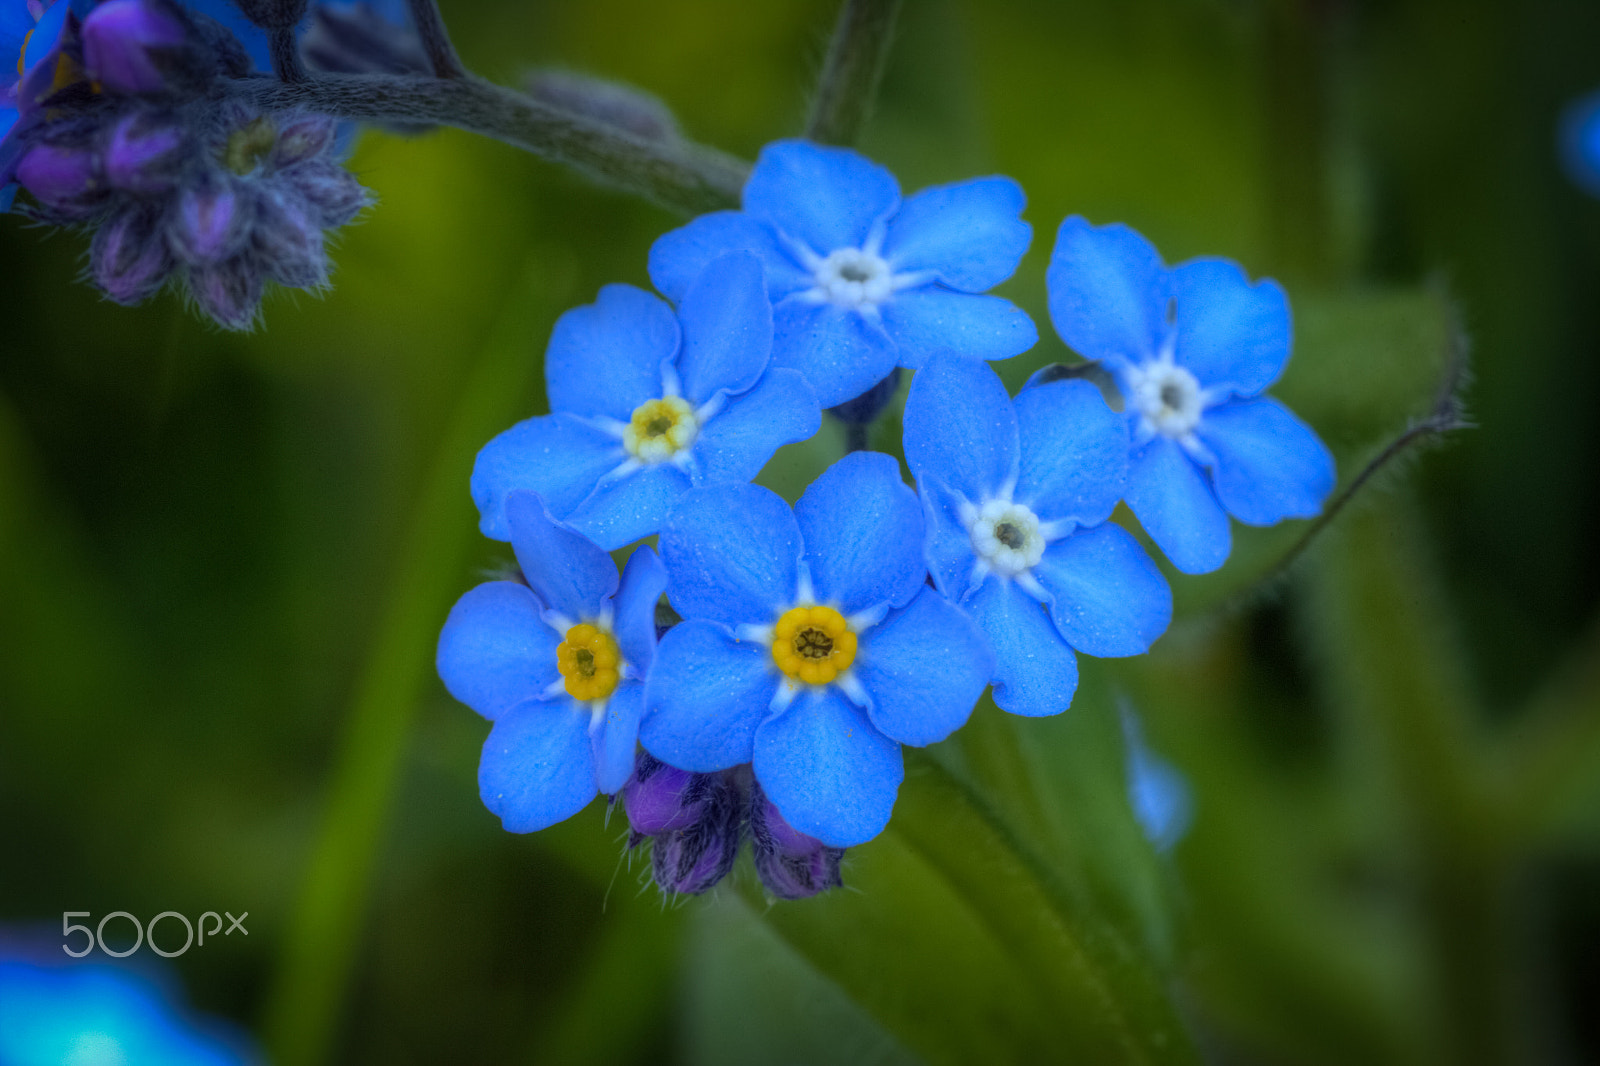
{"points": [[622, 106], [661, 799], [229, 292], [144, 155], [138, 47], [694, 858], [128, 258], [63, 178], [289, 242], [790, 864], [210, 224]]}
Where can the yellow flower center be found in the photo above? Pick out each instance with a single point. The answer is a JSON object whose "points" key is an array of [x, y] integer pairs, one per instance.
{"points": [[589, 660], [813, 644], [660, 429]]}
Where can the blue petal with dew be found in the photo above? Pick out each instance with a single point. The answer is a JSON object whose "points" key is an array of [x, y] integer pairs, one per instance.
{"points": [[538, 765], [1175, 504], [862, 528], [841, 352], [1108, 291], [970, 234], [827, 769], [932, 320], [1270, 465], [706, 695], [1035, 671], [678, 257], [644, 579], [560, 457], [605, 358], [614, 736], [623, 509], [1232, 335], [827, 198], [1107, 597], [961, 428], [727, 328], [923, 667], [732, 553], [495, 650], [568, 571], [736, 442], [1074, 453]]}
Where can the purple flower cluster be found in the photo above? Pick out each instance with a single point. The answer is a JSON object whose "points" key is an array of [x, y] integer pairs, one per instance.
{"points": [[177, 182]]}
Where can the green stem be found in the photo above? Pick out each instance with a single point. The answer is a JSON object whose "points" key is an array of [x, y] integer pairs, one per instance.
{"points": [[848, 86], [325, 931], [674, 173]]}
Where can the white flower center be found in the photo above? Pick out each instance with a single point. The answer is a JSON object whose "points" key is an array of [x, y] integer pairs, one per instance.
{"points": [[660, 429], [854, 277], [1167, 397], [1007, 537]]}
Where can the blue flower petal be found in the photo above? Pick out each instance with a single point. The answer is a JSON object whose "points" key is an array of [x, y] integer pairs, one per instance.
{"points": [[605, 358], [678, 258], [727, 328], [841, 352], [1232, 335], [961, 428], [46, 36], [538, 765], [560, 457], [567, 571], [495, 651], [1074, 453], [1035, 672], [827, 769], [1175, 504], [706, 695], [736, 443], [948, 547], [1270, 465], [932, 319], [826, 198], [733, 555], [924, 667], [1108, 291], [614, 737], [862, 527], [644, 579], [627, 508], [1108, 598], [969, 234]]}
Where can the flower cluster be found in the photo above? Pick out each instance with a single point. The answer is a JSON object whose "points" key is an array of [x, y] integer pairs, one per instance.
{"points": [[119, 123], [805, 645]]}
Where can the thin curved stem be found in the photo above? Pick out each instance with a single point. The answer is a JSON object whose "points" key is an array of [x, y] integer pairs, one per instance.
{"points": [[435, 37], [674, 173], [850, 75]]}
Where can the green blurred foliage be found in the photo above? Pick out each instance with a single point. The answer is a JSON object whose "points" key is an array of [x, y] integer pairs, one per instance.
{"points": [[223, 561]]}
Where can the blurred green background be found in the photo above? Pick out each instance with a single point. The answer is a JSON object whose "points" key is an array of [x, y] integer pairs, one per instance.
{"points": [[224, 559]]}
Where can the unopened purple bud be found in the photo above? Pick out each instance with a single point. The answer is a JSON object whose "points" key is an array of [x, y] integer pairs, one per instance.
{"points": [[130, 46], [229, 292], [143, 157], [301, 139], [289, 242], [693, 859], [128, 258], [60, 177], [210, 225], [790, 864], [661, 798], [330, 188]]}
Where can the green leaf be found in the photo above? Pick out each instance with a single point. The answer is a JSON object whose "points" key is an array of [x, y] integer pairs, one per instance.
{"points": [[964, 948]]}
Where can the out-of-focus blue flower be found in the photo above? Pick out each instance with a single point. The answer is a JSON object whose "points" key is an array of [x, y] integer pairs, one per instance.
{"points": [[860, 281], [558, 665], [30, 70], [87, 1014], [1160, 797], [1192, 348], [811, 646], [1580, 142], [1017, 496], [647, 404]]}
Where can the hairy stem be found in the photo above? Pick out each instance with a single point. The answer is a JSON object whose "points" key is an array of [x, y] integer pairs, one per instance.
{"points": [[286, 56], [436, 39], [676, 174], [850, 75]]}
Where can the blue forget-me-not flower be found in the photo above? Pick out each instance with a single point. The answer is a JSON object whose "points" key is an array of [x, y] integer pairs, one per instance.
{"points": [[1017, 495], [1160, 796], [860, 281], [558, 665], [647, 404], [811, 647], [1192, 349]]}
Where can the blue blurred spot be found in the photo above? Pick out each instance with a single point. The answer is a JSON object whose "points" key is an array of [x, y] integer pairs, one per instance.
{"points": [[1157, 791], [1580, 142]]}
